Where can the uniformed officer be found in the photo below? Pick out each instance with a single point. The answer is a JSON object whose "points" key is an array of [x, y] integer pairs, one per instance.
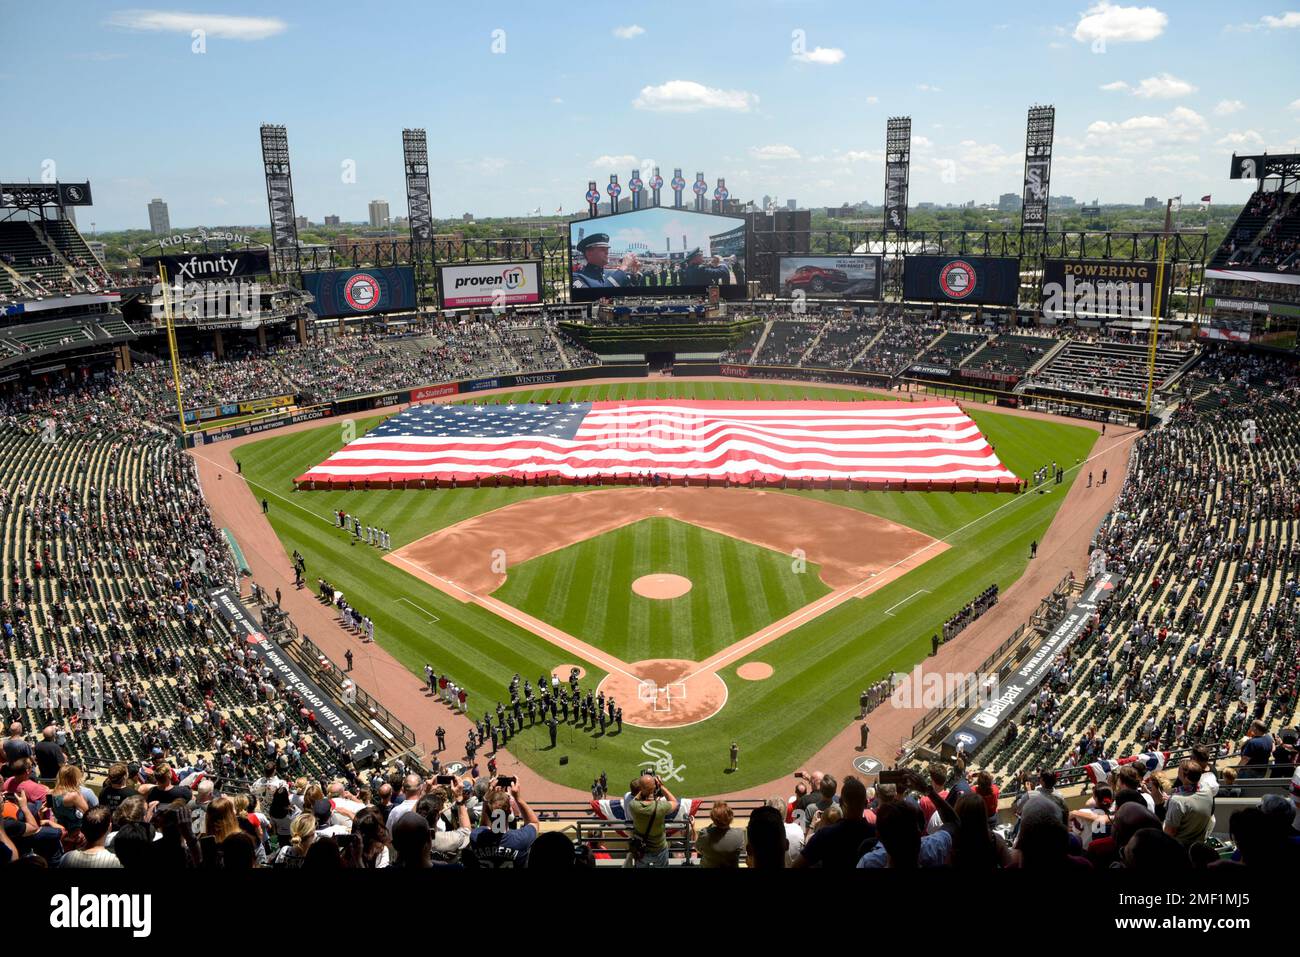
{"points": [[865, 732], [595, 250], [552, 725], [441, 735], [618, 719], [698, 274]]}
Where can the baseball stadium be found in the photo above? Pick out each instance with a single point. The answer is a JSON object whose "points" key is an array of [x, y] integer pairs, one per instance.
{"points": [[680, 528]]}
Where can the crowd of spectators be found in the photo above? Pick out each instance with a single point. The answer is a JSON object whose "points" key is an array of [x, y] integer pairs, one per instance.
{"points": [[1199, 639]]}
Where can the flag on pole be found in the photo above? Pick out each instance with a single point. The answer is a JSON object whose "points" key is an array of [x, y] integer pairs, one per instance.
{"points": [[1205, 198], [1176, 204]]}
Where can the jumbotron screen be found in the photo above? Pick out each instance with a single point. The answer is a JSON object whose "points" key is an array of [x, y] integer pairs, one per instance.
{"points": [[655, 252]]}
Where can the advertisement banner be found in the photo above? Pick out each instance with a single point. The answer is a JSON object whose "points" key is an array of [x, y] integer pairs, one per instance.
{"points": [[337, 724], [1034, 212], [490, 284], [189, 267], [1087, 288], [971, 280], [435, 391], [830, 277], [361, 292], [267, 402], [1019, 686]]}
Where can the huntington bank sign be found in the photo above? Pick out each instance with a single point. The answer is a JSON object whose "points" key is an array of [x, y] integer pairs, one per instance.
{"points": [[1103, 288]]}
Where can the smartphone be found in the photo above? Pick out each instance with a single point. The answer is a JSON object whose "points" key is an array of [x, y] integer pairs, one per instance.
{"points": [[505, 781], [798, 774], [444, 779], [893, 776]]}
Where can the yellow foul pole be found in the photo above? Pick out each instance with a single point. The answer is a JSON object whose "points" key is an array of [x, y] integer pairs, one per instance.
{"points": [[171, 345], [1158, 304]]}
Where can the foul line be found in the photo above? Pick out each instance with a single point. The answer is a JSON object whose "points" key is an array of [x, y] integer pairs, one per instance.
{"points": [[865, 587], [890, 610], [432, 617]]}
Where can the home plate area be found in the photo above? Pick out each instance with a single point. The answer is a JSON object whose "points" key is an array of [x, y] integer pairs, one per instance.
{"points": [[666, 693], [661, 698]]}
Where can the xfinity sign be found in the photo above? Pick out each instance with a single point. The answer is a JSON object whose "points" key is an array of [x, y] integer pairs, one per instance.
{"points": [[490, 284]]}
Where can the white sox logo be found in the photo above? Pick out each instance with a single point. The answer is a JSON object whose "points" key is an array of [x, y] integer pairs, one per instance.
{"points": [[664, 766], [362, 292], [957, 280]]}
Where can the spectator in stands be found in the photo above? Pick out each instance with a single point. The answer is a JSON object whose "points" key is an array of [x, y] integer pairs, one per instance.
{"points": [[1256, 752], [839, 845], [720, 844], [766, 845], [49, 756], [1188, 818], [648, 812], [503, 841], [93, 854]]}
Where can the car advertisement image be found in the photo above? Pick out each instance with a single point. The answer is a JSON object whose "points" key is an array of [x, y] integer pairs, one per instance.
{"points": [[830, 277]]}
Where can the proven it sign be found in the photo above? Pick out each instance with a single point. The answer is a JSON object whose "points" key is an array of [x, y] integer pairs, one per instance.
{"points": [[490, 284]]}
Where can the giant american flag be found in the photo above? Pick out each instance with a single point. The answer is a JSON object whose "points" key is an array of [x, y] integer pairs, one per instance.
{"points": [[718, 439]]}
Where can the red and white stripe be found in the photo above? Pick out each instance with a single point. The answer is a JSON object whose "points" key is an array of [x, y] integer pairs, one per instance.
{"points": [[740, 441]]}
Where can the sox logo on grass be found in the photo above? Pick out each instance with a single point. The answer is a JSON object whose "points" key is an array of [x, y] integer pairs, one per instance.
{"points": [[739, 441]]}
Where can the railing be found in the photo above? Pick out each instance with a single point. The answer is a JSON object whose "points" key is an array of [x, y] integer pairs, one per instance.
{"points": [[1066, 586], [324, 668]]}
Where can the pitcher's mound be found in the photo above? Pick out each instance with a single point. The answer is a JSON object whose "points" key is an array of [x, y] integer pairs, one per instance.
{"points": [[661, 586], [754, 670]]}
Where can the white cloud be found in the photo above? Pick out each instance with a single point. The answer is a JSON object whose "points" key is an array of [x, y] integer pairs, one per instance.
{"points": [[927, 88], [873, 99], [1142, 133], [1287, 21], [774, 151], [1227, 107], [1163, 87], [1108, 22], [1294, 105], [1244, 138], [217, 25], [687, 96], [826, 56], [629, 32], [607, 162]]}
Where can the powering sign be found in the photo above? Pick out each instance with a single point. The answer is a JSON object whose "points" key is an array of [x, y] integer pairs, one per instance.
{"points": [[490, 284]]}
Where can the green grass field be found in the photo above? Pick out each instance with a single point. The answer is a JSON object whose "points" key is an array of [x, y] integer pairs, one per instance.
{"points": [[586, 590], [819, 668]]}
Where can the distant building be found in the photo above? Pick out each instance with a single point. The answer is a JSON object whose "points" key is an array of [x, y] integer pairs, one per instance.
{"points": [[1151, 202], [331, 220], [467, 217], [1008, 202], [301, 222], [791, 204], [378, 213], [1059, 201], [160, 224]]}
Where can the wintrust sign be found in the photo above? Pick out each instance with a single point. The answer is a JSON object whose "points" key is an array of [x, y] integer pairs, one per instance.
{"points": [[490, 284]]}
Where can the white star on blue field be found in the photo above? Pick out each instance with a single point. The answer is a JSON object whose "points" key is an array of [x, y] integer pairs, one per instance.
{"points": [[485, 421]]}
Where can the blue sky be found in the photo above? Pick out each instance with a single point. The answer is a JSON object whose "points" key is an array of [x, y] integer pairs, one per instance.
{"points": [[525, 102]]}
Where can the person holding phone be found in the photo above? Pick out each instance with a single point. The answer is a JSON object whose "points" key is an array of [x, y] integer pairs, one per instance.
{"points": [[500, 841]]}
